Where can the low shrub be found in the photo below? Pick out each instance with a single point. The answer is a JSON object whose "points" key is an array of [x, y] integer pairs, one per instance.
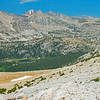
{"points": [[2, 90], [96, 79], [12, 90], [42, 78], [61, 73], [28, 84]]}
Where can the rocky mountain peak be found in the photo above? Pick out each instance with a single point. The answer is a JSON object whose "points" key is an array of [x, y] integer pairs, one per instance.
{"points": [[51, 13], [30, 12], [0, 11], [39, 12]]}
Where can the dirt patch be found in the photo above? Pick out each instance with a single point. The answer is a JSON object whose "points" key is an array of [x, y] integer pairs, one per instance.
{"points": [[6, 77]]}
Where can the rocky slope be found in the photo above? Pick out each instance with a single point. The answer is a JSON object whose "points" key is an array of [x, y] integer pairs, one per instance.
{"points": [[78, 82], [38, 34]]}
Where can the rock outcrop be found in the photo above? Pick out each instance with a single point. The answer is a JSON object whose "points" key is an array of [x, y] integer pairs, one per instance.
{"points": [[78, 82], [48, 34]]}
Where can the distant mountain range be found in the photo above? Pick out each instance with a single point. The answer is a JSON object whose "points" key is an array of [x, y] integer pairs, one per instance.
{"points": [[39, 35], [38, 24]]}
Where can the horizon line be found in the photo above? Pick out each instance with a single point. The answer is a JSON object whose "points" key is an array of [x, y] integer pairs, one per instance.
{"points": [[81, 16]]}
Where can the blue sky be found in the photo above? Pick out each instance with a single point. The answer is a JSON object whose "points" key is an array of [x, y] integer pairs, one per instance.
{"points": [[68, 7]]}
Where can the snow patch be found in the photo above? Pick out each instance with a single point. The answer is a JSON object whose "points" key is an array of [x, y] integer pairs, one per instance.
{"points": [[21, 78]]}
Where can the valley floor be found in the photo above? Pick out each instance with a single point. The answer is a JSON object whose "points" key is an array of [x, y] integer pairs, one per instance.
{"points": [[7, 77]]}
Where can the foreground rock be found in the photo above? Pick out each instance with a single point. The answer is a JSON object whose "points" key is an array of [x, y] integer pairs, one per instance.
{"points": [[77, 82]]}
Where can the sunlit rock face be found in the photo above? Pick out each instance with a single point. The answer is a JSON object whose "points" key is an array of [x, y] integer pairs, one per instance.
{"points": [[68, 92], [47, 34], [79, 84], [30, 12]]}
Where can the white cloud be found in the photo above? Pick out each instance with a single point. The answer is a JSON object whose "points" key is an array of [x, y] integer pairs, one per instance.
{"points": [[26, 1]]}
